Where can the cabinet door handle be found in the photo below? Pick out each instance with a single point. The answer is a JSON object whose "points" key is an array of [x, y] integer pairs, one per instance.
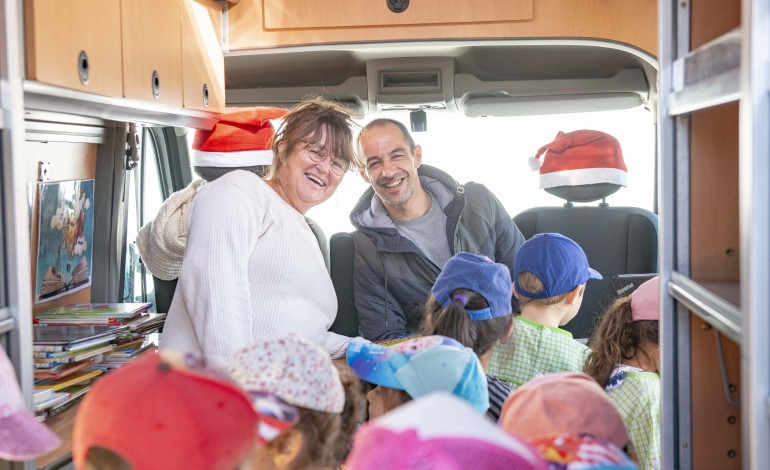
{"points": [[84, 69], [155, 84]]}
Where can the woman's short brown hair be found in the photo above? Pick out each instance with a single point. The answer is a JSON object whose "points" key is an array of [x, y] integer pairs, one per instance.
{"points": [[307, 122]]}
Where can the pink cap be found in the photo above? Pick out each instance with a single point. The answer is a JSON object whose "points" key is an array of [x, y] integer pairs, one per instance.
{"points": [[564, 402], [645, 301], [438, 431], [22, 436]]}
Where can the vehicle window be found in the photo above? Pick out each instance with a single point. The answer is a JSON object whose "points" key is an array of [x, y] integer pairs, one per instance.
{"points": [[145, 199], [495, 151]]}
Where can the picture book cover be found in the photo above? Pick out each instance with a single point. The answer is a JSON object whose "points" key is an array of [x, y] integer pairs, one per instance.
{"points": [[65, 236]]}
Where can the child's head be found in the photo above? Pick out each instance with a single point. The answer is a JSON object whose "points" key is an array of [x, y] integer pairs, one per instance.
{"points": [[548, 268], [166, 408], [627, 331], [438, 431], [470, 302], [417, 367], [563, 403], [300, 374]]}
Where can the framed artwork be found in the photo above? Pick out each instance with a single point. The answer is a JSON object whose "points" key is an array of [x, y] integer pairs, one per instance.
{"points": [[65, 235]]}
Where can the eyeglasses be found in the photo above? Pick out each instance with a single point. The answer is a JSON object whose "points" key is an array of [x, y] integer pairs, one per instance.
{"points": [[338, 165]]}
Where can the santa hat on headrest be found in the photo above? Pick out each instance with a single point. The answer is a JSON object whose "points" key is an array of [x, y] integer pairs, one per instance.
{"points": [[242, 137], [580, 157]]}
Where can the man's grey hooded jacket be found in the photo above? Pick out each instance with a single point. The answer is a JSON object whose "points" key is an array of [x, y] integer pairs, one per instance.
{"points": [[392, 278]]}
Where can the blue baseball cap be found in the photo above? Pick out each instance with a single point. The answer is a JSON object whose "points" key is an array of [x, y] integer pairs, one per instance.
{"points": [[559, 263], [480, 274], [421, 366]]}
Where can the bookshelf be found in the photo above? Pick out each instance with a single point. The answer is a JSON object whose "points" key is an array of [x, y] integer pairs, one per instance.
{"points": [[714, 177]]}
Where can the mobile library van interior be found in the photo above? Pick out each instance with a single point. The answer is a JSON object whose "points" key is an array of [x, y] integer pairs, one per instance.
{"points": [[100, 100]]}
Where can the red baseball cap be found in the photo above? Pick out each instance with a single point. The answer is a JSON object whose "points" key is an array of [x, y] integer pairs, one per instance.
{"points": [[167, 410]]}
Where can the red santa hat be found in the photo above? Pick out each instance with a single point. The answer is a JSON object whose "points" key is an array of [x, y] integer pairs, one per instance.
{"points": [[580, 157], [242, 137]]}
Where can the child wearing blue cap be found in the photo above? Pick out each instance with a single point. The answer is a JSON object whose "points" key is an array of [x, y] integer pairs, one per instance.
{"points": [[550, 273], [471, 302], [415, 367]]}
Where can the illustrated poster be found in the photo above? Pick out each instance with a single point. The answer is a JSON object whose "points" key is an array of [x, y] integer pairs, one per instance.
{"points": [[65, 235]]}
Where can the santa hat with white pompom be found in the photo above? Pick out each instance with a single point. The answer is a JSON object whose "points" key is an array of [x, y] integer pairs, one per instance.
{"points": [[579, 158], [241, 138]]}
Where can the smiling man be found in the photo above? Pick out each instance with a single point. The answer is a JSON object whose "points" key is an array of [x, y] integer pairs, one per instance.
{"points": [[409, 223]]}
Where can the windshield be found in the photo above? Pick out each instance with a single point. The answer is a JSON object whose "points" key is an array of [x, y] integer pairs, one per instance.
{"points": [[494, 151]]}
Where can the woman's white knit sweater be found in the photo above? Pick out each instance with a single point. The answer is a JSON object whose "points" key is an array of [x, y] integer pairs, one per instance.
{"points": [[252, 268]]}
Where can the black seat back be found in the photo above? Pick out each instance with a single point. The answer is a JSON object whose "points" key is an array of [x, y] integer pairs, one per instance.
{"points": [[342, 251], [164, 293], [616, 240], [323, 244]]}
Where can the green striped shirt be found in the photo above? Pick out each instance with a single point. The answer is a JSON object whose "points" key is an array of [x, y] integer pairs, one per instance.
{"points": [[637, 396], [535, 349]]}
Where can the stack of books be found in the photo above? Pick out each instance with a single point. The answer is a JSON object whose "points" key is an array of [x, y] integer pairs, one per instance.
{"points": [[74, 344], [92, 314]]}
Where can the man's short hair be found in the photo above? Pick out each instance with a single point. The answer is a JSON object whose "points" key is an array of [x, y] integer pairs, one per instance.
{"points": [[360, 160]]}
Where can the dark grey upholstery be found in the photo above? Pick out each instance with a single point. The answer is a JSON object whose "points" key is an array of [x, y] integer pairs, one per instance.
{"points": [[341, 253], [617, 240], [323, 244], [164, 293]]}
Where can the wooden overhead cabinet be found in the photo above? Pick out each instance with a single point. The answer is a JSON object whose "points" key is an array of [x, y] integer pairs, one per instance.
{"points": [[203, 63], [66, 46], [152, 50]]}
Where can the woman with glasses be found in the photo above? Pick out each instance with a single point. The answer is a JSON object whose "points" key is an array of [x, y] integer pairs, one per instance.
{"points": [[252, 266]]}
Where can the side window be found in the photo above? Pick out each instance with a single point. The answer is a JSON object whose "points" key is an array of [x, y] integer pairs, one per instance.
{"points": [[148, 188]]}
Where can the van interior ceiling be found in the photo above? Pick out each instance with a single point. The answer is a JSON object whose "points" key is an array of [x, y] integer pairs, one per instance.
{"points": [[474, 77]]}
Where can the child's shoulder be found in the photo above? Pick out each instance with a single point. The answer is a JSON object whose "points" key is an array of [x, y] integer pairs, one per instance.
{"points": [[527, 324]]}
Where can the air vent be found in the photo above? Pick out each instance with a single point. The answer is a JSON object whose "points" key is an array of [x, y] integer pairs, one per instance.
{"points": [[410, 83], [428, 80]]}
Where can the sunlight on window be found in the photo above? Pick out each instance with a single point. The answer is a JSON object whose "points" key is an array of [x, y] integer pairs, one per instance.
{"points": [[494, 151]]}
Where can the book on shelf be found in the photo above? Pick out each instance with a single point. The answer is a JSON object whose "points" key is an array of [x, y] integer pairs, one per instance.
{"points": [[129, 350], [76, 393], [52, 339], [41, 395], [115, 361], [68, 357], [129, 345], [74, 379], [92, 314], [61, 370], [57, 399], [147, 322]]}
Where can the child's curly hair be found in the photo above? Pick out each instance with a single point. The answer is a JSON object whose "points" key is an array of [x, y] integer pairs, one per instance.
{"points": [[352, 414], [616, 338]]}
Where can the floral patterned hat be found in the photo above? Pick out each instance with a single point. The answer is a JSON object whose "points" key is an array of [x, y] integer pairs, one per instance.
{"points": [[292, 368]]}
